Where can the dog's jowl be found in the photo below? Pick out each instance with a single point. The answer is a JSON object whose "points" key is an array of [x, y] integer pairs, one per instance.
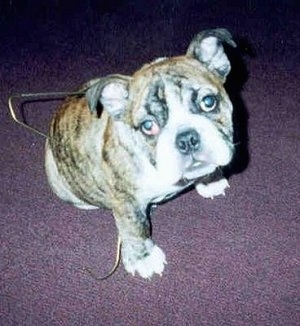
{"points": [[132, 141]]}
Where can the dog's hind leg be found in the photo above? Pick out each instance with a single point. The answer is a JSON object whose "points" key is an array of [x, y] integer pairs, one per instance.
{"points": [[58, 184]]}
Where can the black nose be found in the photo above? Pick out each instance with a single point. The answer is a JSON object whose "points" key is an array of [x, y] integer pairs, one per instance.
{"points": [[188, 141]]}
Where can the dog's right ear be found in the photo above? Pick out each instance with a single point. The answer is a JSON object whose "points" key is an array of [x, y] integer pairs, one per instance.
{"points": [[111, 92], [207, 48]]}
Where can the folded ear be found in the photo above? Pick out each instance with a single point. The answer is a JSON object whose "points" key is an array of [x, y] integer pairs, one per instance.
{"points": [[208, 49], [111, 92]]}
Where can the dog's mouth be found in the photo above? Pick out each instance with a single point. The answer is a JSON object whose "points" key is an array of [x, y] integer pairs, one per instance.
{"points": [[195, 170], [198, 168], [195, 165]]}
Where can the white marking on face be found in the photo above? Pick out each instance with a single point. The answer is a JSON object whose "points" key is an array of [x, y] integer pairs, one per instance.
{"points": [[151, 184], [172, 166], [214, 151]]}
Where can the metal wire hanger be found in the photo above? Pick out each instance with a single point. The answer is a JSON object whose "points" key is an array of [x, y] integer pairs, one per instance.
{"points": [[54, 96], [40, 96]]}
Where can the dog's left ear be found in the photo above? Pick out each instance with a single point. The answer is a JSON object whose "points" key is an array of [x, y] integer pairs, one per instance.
{"points": [[111, 93], [208, 49]]}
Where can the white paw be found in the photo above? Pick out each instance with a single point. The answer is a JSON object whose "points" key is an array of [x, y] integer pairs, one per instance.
{"points": [[152, 264], [212, 189]]}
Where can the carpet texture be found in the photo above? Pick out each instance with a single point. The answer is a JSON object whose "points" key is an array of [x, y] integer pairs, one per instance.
{"points": [[233, 260]]}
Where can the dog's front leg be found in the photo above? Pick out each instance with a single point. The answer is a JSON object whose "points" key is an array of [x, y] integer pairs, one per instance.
{"points": [[139, 253]]}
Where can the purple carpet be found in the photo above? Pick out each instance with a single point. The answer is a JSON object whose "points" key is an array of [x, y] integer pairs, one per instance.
{"points": [[232, 260]]}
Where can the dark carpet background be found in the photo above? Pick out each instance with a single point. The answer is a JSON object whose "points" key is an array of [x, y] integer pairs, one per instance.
{"points": [[232, 260]]}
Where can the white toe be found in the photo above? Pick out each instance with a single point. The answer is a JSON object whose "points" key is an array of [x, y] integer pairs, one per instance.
{"points": [[152, 264], [212, 189]]}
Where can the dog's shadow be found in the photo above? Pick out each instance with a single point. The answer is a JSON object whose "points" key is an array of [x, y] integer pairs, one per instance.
{"points": [[234, 87]]}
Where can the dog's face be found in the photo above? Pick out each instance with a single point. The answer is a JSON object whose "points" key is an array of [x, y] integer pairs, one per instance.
{"points": [[178, 109], [183, 113]]}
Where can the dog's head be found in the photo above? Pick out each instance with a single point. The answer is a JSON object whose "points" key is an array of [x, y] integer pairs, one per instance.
{"points": [[177, 108]]}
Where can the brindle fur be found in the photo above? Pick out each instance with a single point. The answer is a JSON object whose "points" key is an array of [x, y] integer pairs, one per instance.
{"points": [[93, 158]]}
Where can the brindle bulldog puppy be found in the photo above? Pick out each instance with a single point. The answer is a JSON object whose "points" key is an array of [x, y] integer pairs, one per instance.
{"points": [[132, 141]]}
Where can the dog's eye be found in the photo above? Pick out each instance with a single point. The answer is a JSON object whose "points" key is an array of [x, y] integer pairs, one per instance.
{"points": [[208, 103], [150, 127]]}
